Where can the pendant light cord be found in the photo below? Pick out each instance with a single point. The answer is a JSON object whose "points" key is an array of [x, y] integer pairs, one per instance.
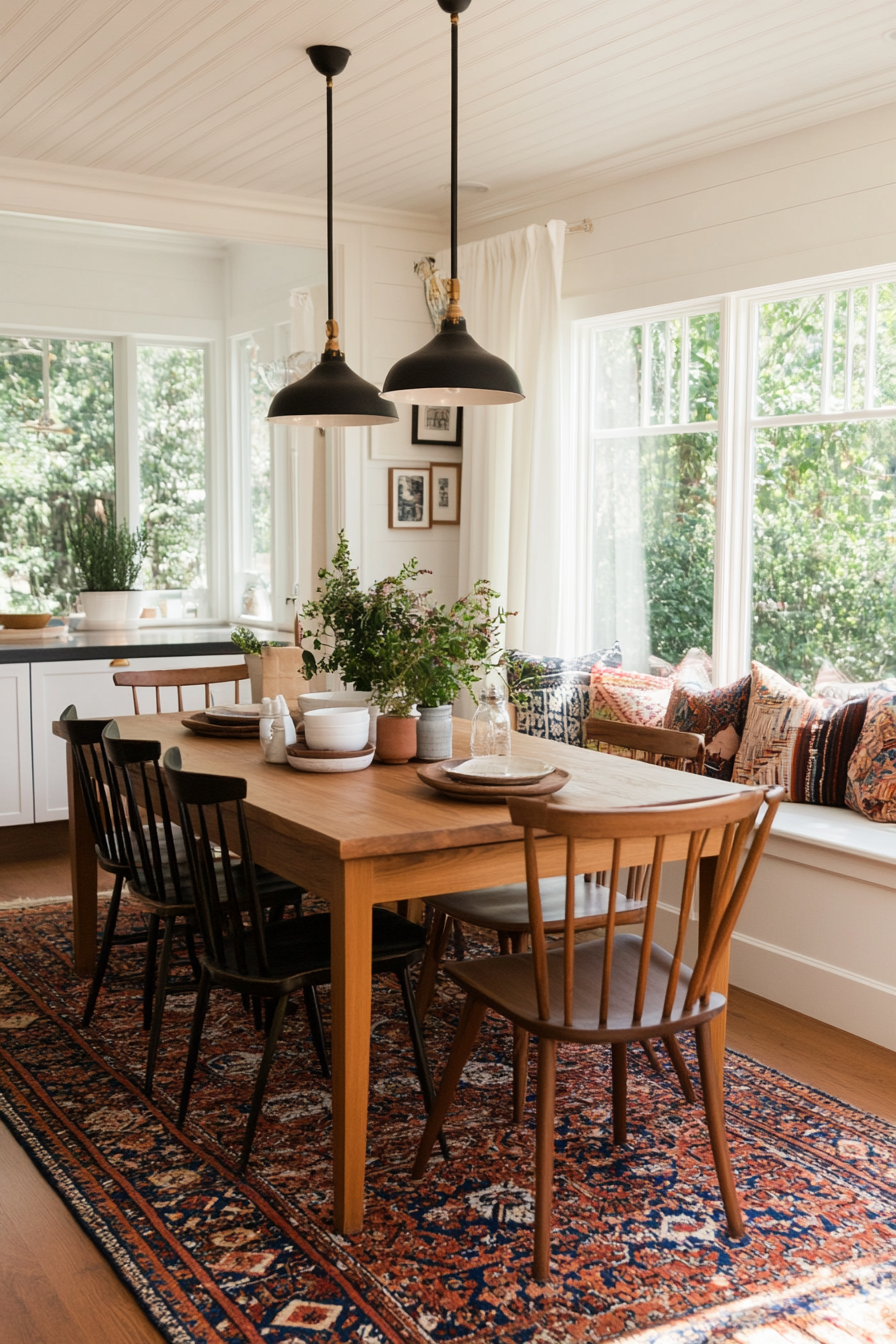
{"points": [[330, 303], [454, 28]]}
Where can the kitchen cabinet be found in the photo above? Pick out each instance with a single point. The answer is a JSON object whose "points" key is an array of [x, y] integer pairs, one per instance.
{"points": [[16, 792]]}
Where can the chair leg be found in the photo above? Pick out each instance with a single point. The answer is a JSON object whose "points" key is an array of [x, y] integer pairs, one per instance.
{"points": [[264, 1069], [520, 1073], [433, 956], [544, 1155], [421, 1060], [677, 1058], [199, 1011], [312, 1008], [102, 960], [257, 1013], [158, 1009], [461, 1049], [714, 1105], [149, 973], [190, 940], [620, 1063], [460, 942], [651, 1057]]}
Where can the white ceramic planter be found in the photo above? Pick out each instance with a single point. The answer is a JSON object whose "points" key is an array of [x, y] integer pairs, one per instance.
{"points": [[434, 733], [112, 611]]}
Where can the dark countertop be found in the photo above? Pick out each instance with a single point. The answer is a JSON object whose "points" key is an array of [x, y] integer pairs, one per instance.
{"points": [[146, 643]]}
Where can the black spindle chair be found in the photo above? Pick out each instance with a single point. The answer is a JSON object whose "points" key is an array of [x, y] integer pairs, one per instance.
{"points": [[240, 954]]}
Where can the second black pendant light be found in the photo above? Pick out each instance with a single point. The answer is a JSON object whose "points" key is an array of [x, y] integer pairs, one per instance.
{"points": [[331, 395], [452, 369]]}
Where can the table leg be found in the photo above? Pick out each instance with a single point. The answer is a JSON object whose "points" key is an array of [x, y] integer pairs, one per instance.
{"points": [[82, 856], [351, 913], [720, 982]]}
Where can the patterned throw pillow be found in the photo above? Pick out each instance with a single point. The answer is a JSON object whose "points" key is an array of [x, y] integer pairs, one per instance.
{"points": [[692, 676], [802, 742], [555, 712], [530, 671], [719, 714], [871, 782], [629, 697]]}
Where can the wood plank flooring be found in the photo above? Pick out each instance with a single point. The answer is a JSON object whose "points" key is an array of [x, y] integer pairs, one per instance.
{"points": [[55, 1284]]}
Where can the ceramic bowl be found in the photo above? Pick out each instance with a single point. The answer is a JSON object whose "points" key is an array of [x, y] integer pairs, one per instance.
{"points": [[340, 728], [332, 699], [20, 620]]}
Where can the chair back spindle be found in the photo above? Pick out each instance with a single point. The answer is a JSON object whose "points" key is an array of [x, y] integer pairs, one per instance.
{"points": [[96, 781], [148, 831]]}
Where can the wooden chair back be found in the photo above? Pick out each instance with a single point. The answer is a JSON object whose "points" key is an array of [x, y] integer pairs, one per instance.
{"points": [[180, 677], [227, 900], [658, 746], [96, 781], [148, 834], [735, 814]]}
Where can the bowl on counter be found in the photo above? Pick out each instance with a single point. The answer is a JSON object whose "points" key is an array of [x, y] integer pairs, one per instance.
{"points": [[20, 620], [337, 728]]}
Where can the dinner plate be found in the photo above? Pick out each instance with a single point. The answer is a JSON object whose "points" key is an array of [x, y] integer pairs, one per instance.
{"points": [[500, 770], [312, 762], [435, 776], [203, 727], [234, 713]]}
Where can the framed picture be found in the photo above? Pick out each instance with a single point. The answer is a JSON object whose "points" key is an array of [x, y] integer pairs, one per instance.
{"points": [[438, 424], [409, 497], [444, 491]]}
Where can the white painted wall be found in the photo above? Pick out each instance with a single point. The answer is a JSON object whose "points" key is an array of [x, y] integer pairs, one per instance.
{"points": [[804, 204]]}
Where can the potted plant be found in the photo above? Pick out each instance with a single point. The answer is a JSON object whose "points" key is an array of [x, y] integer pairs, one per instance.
{"points": [[108, 559], [456, 646], [250, 646]]}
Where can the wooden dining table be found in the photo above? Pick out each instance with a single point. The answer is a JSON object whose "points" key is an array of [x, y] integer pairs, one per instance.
{"points": [[381, 835]]}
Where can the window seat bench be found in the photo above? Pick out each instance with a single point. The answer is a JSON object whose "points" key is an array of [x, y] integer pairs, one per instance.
{"points": [[818, 931]]}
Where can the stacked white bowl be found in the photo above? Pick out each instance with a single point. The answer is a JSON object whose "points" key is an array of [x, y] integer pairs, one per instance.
{"points": [[338, 728]]}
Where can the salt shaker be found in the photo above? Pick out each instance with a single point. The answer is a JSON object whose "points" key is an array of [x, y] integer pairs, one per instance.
{"points": [[266, 720], [289, 728], [275, 746]]}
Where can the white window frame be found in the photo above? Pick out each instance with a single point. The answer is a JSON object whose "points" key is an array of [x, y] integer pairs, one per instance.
{"points": [[738, 356], [126, 427]]}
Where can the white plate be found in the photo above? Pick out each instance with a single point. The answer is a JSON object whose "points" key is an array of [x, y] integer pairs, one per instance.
{"points": [[501, 770], [234, 713], [321, 766]]}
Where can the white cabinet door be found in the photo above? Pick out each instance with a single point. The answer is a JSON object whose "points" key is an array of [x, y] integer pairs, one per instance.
{"points": [[16, 795], [87, 684]]}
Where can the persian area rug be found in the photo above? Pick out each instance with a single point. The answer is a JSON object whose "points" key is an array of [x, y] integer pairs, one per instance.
{"points": [[640, 1246]]}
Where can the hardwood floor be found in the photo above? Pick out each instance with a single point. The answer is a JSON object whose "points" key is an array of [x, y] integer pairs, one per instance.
{"points": [[55, 1284]]}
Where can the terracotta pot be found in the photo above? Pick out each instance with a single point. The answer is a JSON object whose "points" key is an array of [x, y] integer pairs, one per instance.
{"points": [[396, 739]]}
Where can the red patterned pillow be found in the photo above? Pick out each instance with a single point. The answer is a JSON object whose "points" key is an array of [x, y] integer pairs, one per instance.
{"points": [[871, 775], [629, 697]]}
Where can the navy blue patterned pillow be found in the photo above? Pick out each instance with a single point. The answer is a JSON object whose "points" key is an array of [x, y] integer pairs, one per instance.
{"points": [[531, 671], [556, 712]]}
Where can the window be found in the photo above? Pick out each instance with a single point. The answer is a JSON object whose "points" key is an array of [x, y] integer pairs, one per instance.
{"points": [[171, 428], [801, 522], [652, 474], [57, 447]]}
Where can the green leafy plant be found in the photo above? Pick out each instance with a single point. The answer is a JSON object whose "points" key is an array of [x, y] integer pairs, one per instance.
{"points": [[247, 642], [455, 646], [107, 555]]}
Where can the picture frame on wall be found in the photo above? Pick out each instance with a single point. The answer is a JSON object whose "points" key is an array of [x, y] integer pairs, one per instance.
{"points": [[438, 425], [444, 492], [409, 497]]}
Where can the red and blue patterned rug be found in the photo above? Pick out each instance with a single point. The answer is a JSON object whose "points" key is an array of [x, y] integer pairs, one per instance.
{"points": [[639, 1248]]}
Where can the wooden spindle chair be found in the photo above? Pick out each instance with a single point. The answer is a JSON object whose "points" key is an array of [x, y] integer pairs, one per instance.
{"points": [[620, 989], [240, 955], [180, 677], [97, 785], [505, 910], [160, 884]]}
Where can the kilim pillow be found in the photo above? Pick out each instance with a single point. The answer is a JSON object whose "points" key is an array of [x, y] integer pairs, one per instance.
{"points": [[629, 697], [871, 781], [693, 676], [719, 714], [802, 742]]}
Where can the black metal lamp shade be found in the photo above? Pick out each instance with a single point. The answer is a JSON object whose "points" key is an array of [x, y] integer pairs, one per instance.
{"points": [[331, 395], [453, 370]]}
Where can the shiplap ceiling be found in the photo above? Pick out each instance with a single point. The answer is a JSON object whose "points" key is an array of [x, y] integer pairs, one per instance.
{"points": [[554, 92]]}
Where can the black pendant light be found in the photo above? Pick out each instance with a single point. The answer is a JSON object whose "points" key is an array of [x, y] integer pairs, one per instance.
{"points": [[331, 395], [453, 370]]}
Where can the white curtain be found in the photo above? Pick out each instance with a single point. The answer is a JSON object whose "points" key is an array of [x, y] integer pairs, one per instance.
{"points": [[514, 464]]}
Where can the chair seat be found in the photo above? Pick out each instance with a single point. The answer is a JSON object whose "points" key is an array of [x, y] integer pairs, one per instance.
{"points": [[272, 890], [506, 909], [299, 951], [507, 984]]}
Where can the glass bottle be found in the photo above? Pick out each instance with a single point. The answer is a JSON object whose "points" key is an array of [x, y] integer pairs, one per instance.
{"points": [[490, 734]]}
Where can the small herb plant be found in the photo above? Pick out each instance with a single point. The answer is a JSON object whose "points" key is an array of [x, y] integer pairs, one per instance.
{"points": [[456, 646], [107, 556], [247, 642]]}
